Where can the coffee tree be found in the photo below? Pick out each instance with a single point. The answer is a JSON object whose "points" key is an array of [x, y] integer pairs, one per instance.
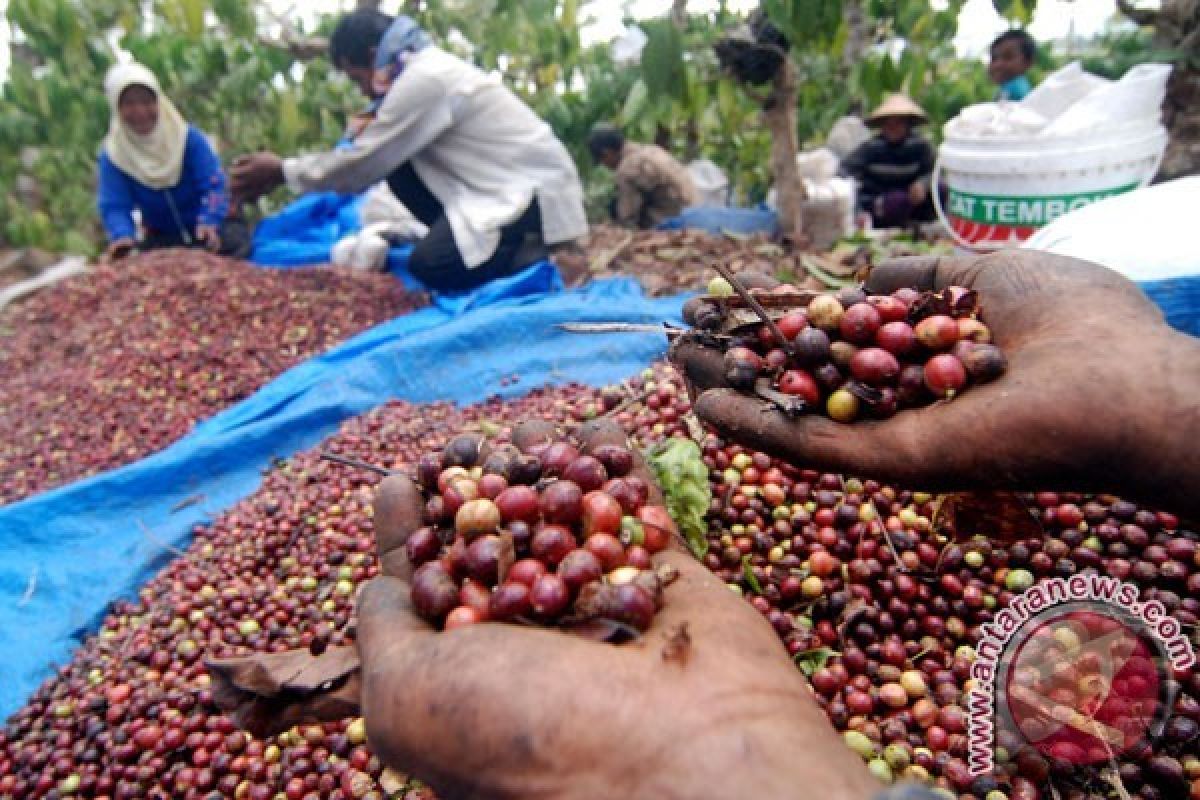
{"points": [[215, 61], [252, 80]]}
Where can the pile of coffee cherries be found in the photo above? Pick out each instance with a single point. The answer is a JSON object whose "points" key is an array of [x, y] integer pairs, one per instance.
{"points": [[110, 366], [536, 532], [853, 355]]}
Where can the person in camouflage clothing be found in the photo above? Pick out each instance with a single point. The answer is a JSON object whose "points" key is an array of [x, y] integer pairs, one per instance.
{"points": [[651, 186]]}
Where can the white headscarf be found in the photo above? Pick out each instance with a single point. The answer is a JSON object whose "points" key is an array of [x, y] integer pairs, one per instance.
{"points": [[156, 159]]}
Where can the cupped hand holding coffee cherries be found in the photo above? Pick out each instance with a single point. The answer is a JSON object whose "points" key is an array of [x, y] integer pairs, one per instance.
{"points": [[501, 702], [1082, 386], [849, 354]]}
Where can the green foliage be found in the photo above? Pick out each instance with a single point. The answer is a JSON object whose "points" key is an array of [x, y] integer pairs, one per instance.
{"points": [[682, 101], [679, 467], [249, 94], [663, 68], [908, 47], [809, 661], [210, 61], [749, 577], [1116, 52], [806, 23], [1018, 11]]}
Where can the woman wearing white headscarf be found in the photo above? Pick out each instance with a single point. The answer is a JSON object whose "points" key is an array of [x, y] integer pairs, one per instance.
{"points": [[156, 163]]}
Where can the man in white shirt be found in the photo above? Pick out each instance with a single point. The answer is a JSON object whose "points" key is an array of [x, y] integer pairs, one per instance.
{"points": [[462, 152]]}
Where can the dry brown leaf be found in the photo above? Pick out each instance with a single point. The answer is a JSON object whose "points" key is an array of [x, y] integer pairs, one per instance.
{"points": [[999, 516], [268, 693]]}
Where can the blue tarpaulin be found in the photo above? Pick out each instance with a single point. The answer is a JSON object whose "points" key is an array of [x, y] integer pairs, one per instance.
{"points": [[304, 233], [1179, 299], [718, 221], [306, 230], [83, 545]]}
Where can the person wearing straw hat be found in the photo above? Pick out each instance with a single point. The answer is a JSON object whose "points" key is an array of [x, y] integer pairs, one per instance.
{"points": [[894, 167], [154, 162]]}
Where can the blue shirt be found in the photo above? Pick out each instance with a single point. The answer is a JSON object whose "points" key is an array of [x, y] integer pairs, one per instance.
{"points": [[199, 197], [1014, 89]]}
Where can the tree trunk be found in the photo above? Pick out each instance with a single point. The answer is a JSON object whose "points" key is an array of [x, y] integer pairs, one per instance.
{"points": [[857, 35], [691, 131], [779, 115], [1181, 113], [679, 14], [1177, 28]]}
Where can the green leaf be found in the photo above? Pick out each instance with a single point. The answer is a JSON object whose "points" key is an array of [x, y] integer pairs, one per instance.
{"points": [[806, 23], [76, 242], [1015, 10], [238, 15], [662, 60], [289, 125], [635, 103], [810, 266], [679, 467], [809, 661], [748, 575]]}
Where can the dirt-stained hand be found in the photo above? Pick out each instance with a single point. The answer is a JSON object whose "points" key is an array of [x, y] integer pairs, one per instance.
{"points": [[706, 703], [1098, 394]]}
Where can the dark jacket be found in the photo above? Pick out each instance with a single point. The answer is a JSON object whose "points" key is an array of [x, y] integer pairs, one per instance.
{"points": [[880, 166]]}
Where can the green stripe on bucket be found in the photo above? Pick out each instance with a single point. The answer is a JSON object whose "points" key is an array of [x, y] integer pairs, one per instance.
{"points": [[1031, 211]]}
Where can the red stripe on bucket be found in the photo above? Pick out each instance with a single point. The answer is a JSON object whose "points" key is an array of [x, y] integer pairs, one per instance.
{"points": [[980, 234]]}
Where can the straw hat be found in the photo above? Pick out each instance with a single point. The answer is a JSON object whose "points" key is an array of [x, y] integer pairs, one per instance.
{"points": [[897, 105]]}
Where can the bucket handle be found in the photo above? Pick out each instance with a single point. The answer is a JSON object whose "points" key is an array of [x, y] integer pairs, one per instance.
{"points": [[934, 183]]}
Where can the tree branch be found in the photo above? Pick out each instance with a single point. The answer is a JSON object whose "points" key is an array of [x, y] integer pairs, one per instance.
{"points": [[1140, 16], [300, 46], [779, 114], [679, 14]]}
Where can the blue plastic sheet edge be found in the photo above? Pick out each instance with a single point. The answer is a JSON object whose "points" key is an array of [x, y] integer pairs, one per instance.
{"points": [[719, 221], [305, 231], [1179, 299], [67, 553]]}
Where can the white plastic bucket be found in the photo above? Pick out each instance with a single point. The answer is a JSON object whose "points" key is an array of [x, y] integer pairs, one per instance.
{"points": [[1000, 189]]}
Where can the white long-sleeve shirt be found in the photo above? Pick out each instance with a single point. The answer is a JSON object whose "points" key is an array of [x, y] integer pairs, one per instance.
{"points": [[481, 152]]}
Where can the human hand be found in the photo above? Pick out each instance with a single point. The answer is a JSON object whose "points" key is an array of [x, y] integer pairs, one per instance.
{"points": [[357, 124], [705, 703], [209, 236], [118, 249], [1099, 392], [917, 192], [254, 175]]}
